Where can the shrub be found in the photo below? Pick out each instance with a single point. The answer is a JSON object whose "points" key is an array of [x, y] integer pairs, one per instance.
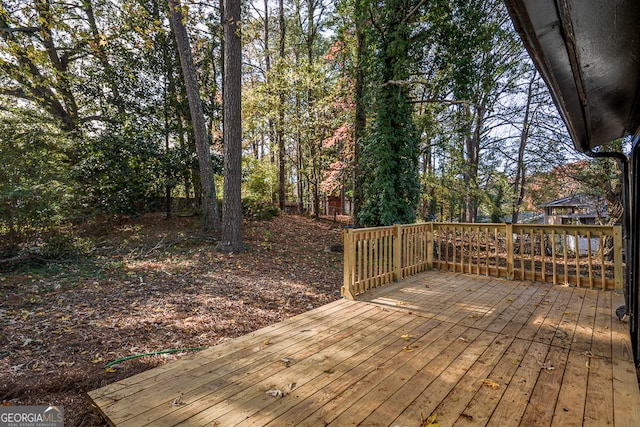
{"points": [[61, 245], [253, 209]]}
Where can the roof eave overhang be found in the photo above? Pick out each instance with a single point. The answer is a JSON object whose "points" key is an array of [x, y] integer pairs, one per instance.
{"points": [[588, 52]]}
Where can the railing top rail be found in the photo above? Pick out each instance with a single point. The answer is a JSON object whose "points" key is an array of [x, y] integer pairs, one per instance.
{"points": [[368, 229], [566, 226], [417, 224], [470, 224], [489, 225], [503, 224]]}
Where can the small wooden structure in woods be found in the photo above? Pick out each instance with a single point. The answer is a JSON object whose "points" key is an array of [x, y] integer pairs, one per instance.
{"points": [[577, 209]]}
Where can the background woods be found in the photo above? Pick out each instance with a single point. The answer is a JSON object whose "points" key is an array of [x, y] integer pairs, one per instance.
{"points": [[415, 109]]}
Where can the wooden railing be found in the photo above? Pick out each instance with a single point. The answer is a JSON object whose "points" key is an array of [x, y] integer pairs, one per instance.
{"points": [[585, 256]]}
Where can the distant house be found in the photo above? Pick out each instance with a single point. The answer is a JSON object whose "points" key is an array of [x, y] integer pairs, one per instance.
{"points": [[585, 209]]}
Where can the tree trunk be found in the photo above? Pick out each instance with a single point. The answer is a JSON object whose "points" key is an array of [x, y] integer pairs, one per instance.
{"points": [[168, 176], [521, 177], [360, 121], [299, 161], [101, 53], [271, 125], [62, 83], [211, 220], [35, 85], [472, 154], [232, 127], [280, 131]]}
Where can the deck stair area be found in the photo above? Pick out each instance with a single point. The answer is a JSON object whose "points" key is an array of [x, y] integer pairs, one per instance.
{"points": [[436, 347]]}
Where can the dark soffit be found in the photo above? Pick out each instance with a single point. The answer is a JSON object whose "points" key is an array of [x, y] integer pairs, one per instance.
{"points": [[588, 52]]}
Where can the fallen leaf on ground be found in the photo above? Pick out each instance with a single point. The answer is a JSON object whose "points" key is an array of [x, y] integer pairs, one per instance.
{"points": [[546, 366], [491, 383], [275, 392], [406, 337], [429, 422]]}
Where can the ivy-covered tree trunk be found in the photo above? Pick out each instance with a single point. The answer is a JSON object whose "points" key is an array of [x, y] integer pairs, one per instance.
{"points": [[391, 188]]}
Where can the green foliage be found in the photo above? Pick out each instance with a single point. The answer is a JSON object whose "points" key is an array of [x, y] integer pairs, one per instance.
{"points": [[64, 245], [35, 189], [259, 210], [260, 179], [119, 173], [390, 166]]}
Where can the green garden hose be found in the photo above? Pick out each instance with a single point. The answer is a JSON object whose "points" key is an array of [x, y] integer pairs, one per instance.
{"points": [[135, 356]]}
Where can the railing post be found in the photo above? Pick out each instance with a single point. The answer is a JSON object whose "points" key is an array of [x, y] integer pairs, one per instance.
{"points": [[397, 252], [349, 265], [509, 243], [617, 258], [430, 245]]}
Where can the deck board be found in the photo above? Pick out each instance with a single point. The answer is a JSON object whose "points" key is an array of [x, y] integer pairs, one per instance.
{"points": [[418, 348]]}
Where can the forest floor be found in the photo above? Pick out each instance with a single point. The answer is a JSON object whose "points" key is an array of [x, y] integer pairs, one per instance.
{"points": [[152, 284]]}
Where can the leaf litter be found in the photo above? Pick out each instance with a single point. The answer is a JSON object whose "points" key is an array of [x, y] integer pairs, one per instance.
{"points": [[152, 284]]}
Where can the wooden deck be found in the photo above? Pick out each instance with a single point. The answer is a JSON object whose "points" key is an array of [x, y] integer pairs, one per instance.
{"points": [[460, 349]]}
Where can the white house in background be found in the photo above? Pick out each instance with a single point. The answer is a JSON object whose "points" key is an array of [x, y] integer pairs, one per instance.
{"points": [[577, 209]]}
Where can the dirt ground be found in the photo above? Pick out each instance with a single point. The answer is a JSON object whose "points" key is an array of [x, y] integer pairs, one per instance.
{"points": [[149, 285]]}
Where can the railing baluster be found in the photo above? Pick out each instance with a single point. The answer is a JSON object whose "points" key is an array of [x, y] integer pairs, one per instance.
{"points": [[496, 243], [478, 251], [522, 277], [603, 267], [361, 266], [564, 254], [487, 250], [577, 249], [543, 256], [446, 248], [378, 272], [470, 251], [589, 259], [454, 243], [553, 257]]}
